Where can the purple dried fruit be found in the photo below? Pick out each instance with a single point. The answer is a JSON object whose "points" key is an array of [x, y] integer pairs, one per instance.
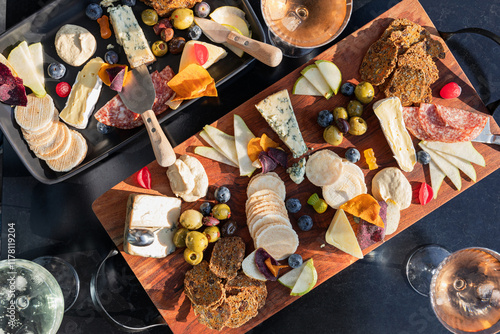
{"points": [[268, 164], [277, 155], [11, 88], [260, 261], [368, 234]]}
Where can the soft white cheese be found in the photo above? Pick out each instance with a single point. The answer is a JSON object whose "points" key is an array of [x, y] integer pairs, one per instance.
{"points": [[390, 114]]}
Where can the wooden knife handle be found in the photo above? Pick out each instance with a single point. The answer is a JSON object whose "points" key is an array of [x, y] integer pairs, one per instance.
{"points": [[164, 153], [268, 54]]}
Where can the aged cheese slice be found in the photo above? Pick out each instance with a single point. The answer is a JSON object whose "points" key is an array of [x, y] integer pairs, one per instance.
{"points": [[278, 112], [390, 114], [341, 235]]}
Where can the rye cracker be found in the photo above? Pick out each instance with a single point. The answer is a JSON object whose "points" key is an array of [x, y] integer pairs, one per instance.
{"points": [[203, 287], [408, 84], [379, 62], [216, 318], [244, 307], [227, 257]]}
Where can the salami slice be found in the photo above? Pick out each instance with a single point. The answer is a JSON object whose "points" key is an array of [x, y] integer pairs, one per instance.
{"points": [[115, 113], [435, 127], [412, 123], [459, 118]]}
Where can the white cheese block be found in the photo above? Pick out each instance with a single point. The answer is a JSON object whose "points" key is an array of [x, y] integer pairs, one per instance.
{"points": [[130, 35], [278, 112], [390, 114], [159, 214]]}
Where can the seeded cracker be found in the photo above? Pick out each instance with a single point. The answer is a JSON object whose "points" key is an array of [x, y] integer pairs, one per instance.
{"points": [[379, 62], [214, 319], [227, 256], [244, 307], [416, 57], [409, 84], [202, 287], [254, 287]]}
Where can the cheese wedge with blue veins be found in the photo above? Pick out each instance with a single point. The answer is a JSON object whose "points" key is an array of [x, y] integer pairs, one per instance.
{"points": [[278, 112], [130, 35], [297, 171]]}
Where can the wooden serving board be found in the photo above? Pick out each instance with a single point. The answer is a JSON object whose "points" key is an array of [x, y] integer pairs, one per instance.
{"points": [[163, 278]]}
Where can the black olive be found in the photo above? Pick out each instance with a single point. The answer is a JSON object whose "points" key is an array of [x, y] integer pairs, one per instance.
{"points": [[229, 228], [176, 45]]}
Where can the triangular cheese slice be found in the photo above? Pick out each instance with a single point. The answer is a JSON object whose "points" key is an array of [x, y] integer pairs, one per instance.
{"points": [[341, 235], [215, 53]]}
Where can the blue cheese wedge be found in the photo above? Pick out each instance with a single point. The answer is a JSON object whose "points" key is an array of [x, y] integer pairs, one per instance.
{"points": [[157, 214], [390, 114], [297, 171], [130, 35], [278, 112]]}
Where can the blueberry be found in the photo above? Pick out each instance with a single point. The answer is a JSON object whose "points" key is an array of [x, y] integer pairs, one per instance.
{"points": [[129, 3], [347, 89], [352, 155], [295, 260], [111, 57], [195, 32], [293, 205], [103, 128], [305, 223], [206, 208], [423, 157], [325, 118], [93, 11], [56, 70], [202, 9], [222, 194]]}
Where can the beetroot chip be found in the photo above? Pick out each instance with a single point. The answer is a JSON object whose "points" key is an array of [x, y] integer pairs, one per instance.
{"points": [[268, 164], [12, 90], [261, 255], [277, 155]]}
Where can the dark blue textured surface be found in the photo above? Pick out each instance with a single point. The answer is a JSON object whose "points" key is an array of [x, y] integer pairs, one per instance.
{"points": [[371, 296]]}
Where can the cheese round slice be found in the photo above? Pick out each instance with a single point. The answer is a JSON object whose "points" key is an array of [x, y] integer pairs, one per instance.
{"points": [[347, 187], [278, 240], [324, 168], [390, 183]]}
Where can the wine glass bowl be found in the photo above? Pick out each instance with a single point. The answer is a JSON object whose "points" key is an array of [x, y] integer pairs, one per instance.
{"points": [[299, 26]]}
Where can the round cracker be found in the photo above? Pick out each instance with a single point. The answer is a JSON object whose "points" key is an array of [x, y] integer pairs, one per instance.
{"points": [[74, 155], [274, 199], [53, 143], [390, 183], [267, 181], [200, 178], [261, 195], [60, 150], [268, 220], [266, 210], [278, 240], [37, 114], [43, 135], [324, 168]]}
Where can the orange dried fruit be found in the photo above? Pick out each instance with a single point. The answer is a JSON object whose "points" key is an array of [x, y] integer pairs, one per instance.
{"points": [[365, 207], [192, 82], [266, 142], [254, 148]]}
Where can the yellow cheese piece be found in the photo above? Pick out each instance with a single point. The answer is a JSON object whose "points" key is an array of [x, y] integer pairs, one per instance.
{"points": [[390, 114], [341, 235], [188, 57], [84, 95]]}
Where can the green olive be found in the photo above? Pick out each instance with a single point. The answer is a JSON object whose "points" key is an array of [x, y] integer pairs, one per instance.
{"points": [[179, 238], [149, 17], [364, 92], [212, 233], [182, 18], [221, 211], [159, 48], [192, 257], [357, 125], [340, 112], [355, 108], [191, 219], [333, 136], [196, 241]]}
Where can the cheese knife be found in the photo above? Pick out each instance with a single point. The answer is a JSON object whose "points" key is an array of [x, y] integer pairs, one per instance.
{"points": [[138, 94], [268, 54]]}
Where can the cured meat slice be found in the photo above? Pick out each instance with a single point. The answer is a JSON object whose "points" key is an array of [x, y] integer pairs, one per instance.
{"points": [[116, 114], [412, 123], [435, 127], [459, 118]]}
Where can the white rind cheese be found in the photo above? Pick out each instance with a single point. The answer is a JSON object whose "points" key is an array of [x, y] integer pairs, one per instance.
{"points": [[390, 114], [159, 214], [278, 112], [130, 35]]}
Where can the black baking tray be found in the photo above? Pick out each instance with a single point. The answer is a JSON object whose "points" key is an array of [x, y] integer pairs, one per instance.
{"points": [[42, 27]]}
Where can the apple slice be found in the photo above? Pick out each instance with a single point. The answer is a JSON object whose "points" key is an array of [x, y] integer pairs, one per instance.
{"points": [[463, 150], [242, 136], [303, 87], [437, 177], [290, 278], [341, 235], [461, 164], [443, 164], [36, 52], [306, 281], [314, 76], [223, 141], [213, 154], [20, 59], [220, 12], [250, 268], [331, 73]]}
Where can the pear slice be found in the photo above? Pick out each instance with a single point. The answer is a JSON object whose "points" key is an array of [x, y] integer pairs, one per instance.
{"points": [[220, 12], [303, 87], [223, 141], [341, 235], [461, 164], [206, 137], [242, 136], [291, 277], [331, 73], [314, 76], [213, 154], [437, 177], [463, 150], [306, 281], [36, 52], [450, 170], [20, 59]]}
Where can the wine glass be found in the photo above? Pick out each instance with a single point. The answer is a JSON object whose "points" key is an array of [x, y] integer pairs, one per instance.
{"points": [[464, 288], [298, 26]]}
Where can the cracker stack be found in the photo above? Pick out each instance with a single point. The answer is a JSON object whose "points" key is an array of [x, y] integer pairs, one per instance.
{"points": [[50, 140], [267, 217]]}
